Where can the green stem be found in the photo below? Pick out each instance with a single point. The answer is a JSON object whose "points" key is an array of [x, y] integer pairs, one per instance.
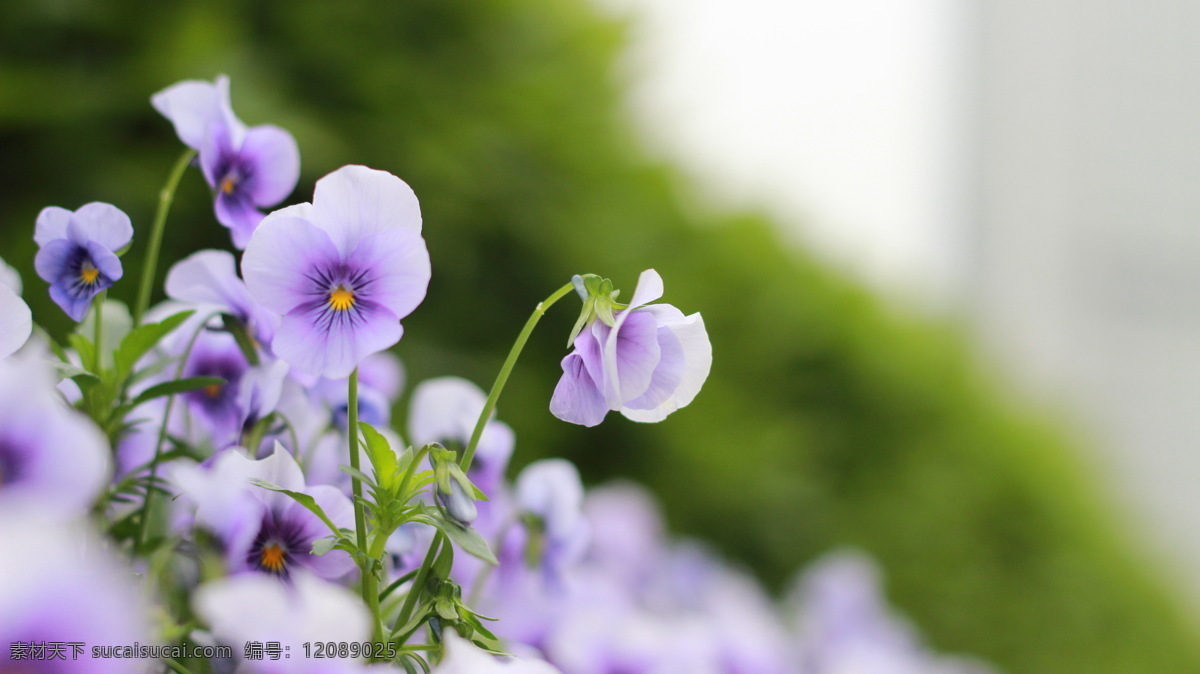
{"points": [[150, 266], [162, 435], [410, 600], [99, 333], [370, 589], [502, 378]]}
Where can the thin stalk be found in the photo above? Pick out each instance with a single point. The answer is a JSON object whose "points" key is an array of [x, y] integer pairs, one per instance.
{"points": [[99, 333], [502, 378], [410, 600], [150, 266], [370, 589]]}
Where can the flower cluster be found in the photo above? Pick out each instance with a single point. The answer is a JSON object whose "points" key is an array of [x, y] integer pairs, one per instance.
{"points": [[234, 445]]}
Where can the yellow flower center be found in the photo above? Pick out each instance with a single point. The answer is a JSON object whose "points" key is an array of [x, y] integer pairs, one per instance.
{"points": [[341, 299], [272, 558], [212, 390], [228, 184], [89, 274]]}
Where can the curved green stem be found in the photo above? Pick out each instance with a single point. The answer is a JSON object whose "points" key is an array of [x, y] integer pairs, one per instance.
{"points": [[150, 265], [502, 378], [370, 589]]}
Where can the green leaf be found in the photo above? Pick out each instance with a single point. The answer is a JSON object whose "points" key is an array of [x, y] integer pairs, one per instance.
{"points": [[464, 537], [178, 386], [69, 371], [139, 342], [304, 500], [383, 458], [83, 346], [357, 474], [323, 545]]}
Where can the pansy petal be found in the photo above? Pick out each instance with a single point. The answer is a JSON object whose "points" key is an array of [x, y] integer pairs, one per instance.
{"points": [[105, 224], [671, 366], [649, 288], [577, 399], [207, 277], [9, 277], [106, 261], [355, 201], [51, 224], [399, 264], [272, 158], [189, 105], [281, 255], [308, 341], [335, 563], [16, 322], [697, 355], [631, 353], [239, 214], [52, 259]]}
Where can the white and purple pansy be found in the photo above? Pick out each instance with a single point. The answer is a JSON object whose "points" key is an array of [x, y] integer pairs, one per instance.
{"points": [[342, 271], [650, 362], [248, 168]]}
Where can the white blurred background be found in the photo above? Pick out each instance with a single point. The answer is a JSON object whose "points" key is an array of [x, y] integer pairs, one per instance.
{"points": [[1030, 166]]}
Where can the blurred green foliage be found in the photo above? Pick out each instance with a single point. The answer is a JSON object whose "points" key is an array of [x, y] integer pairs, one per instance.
{"points": [[826, 421]]}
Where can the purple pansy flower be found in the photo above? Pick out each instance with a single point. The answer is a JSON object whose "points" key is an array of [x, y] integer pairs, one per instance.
{"points": [[262, 530], [249, 168], [555, 534], [51, 457], [342, 270], [445, 410], [65, 588], [649, 363], [16, 322], [78, 253]]}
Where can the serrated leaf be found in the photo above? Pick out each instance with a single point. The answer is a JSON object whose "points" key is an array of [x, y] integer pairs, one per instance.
{"points": [[383, 458], [143, 338], [303, 499], [177, 386]]}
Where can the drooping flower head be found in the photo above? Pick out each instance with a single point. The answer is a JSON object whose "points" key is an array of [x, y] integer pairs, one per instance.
{"points": [[342, 271], [78, 253], [642, 360], [248, 168]]}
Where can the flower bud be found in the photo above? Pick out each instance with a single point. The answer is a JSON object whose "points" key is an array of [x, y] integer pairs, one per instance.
{"points": [[453, 491]]}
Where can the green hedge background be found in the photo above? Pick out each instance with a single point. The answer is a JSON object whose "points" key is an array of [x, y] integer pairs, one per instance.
{"points": [[827, 419]]}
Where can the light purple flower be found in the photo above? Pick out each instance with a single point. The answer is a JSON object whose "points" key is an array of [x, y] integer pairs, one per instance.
{"points": [[209, 280], [77, 254], [262, 530], [51, 457], [549, 494], [65, 587], [253, 608], [649, 363], [462, 657], [16, 322], [342, 271], [249, 168], [445, 410]]}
